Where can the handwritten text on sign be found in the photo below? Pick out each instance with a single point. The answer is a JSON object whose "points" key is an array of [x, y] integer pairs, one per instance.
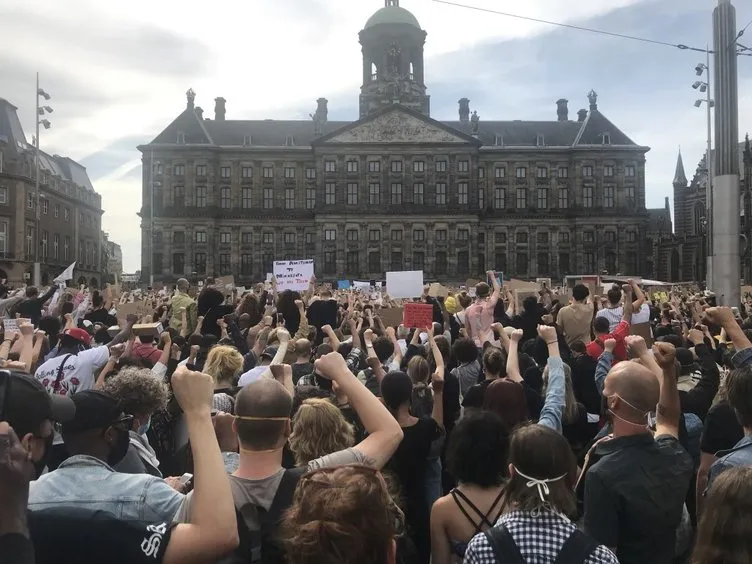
{"points": [[293, 274], [418, 316]]}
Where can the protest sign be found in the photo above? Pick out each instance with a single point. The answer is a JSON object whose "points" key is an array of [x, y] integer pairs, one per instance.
{"points": [[293, 274], [436, 290], [343, 284], [499, 279], [362, 286], [543, 282], [521, 295], [404, 284], [418, 315], [390, 316], [746, 293], [226, 282], [10, 325]]}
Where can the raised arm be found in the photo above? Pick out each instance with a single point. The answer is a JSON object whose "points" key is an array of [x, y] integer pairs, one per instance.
{"points": [[513, 361], [553, 408], [668, 411]]}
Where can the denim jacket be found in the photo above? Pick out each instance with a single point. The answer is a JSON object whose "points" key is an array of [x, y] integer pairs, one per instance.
{"points": [[740, 455], [85, 482], [553, 408]]}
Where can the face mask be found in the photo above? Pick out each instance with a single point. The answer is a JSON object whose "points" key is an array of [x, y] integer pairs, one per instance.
{"points": [[606, 411], [143, 429], [41, 464], [120, 447]]}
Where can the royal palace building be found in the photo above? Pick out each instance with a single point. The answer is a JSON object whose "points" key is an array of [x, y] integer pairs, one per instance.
{"points": [[397, 189]]}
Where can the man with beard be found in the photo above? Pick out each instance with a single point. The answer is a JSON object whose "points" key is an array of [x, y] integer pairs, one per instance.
{"points": [[97, 439]]}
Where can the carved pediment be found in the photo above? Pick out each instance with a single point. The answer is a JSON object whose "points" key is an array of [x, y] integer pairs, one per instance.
{"points": [[397, 127]]}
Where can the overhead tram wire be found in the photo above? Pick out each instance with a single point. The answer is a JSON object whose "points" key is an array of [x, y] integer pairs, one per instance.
{"points": [[588, 29]]}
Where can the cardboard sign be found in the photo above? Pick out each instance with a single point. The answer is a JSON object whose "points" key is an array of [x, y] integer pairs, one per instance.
{"points": [[148, 329], [499, 278], [543, 282], [293, 274], [436, 290], [227, 282], [362, 286], [521, 295], [405, 284], [10, 325], [139, 309], [746, 293], [391, 316], [418, 316], [522, 285]]}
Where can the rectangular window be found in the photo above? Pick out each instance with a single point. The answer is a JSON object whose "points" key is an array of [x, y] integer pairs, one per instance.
{"points": [[55, 211], [396, 166], [66, 214], [30, 200], [352, 194], [374, 193], [419, 235], [500, 172], [587, 196], [542, 238], [178, 198], [225, 237], [419, 166], [440, 235], [247, 195], [289, 172], [418, 193], [45, 206], [246, 264], [179, 170], [440, 194], [521, 172], [588, 263], [178, 238], [541, 172], [563, 172], [353, 262], [522, 264], [374, 262], [481, 172], [608, 170], [200, 263], [629, 171], [630, 194], [396, 235], [500, 238], [608, 196], [330, 166], [352, 166], [374, 166], [374, 235], [500, 198], [45, 242], [66, 249], [440, 263], [396, 193], [463, 262], [310, 198], [330, 262], [200, 236], [246, 238], [330, 234], [543, 264], [419, 260], [330, 193], [289, 198], [178, 263], [224, 197], [224, 264], [587, 171], [268, 172], [542, 198], [463, 234], [268, 238], [521, 237], [289, 238], [441, 166], [225, 172], [588, 236], [268, 198], [462, 193], [500, 261], [351, 235], [55, 246], [200, 196], [200, 170], [610, 236], [463, 166], [310, 173], [521, 198], [481, 198], [246, 172], [563, 197], [631, 236], [564, 237], [397, 262]]}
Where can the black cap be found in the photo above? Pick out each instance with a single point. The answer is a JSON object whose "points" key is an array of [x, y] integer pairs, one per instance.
{"points": [[94, 410], [269, 352], [684, 356], [28, 405]]}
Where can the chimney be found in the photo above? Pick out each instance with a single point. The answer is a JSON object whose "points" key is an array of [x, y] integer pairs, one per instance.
{"points": [[322, 110], [199, 112], [562, 110], [219, 109], [581, 115], [464, 110]]}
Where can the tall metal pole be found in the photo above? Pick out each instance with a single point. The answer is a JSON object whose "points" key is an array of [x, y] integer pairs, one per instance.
{"points": [[151, 220], [37, 240], [709, 283]]}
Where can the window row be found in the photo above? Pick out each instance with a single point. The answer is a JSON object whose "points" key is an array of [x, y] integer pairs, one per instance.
{"points": [[44, 204], [588, 200]]}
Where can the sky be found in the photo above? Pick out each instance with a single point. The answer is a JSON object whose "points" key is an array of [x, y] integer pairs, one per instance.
{"points": [[118, 72]]}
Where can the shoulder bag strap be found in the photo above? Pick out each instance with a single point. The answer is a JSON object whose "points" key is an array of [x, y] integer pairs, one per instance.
{"points": [[60, 370], [504, 548], [576, 548]]}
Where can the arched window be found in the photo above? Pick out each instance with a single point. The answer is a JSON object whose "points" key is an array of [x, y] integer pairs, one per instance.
{"points": [[374, 71], [698, 214], [412, 72]]}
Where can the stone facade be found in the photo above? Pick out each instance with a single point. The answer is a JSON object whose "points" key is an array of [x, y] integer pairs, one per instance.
{"points": [[397, 189], [70, 215]]}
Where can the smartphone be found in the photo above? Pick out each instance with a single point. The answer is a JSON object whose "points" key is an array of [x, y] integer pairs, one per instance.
{"points": [[186, 480]]}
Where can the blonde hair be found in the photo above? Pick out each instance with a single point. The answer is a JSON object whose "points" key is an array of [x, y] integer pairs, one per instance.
{"points": [[571, 408], [318, 429], [223, 363]]}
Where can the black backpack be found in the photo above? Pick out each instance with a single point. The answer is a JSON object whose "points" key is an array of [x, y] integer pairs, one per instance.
{"points": [[575, 550], [262, 546]]}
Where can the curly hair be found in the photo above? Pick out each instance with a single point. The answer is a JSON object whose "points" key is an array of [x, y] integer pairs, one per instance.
{"points": [[139, 391], [318, 429], [223, 363], [344, 515]]}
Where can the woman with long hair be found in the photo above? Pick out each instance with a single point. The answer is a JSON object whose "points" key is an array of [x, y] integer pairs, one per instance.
{"points": [[224, 364], [536, 507], [476, 456], [724, 535], [419, 372], [318, 429]]}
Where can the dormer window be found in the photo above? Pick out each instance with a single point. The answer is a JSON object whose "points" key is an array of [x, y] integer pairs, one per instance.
{"points": [[289, 141], [499, 140], [181, 138], [247, 140], [606, 138], [540, 140]]}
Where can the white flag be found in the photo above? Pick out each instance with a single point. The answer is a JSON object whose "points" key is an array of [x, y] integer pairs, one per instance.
{"points": [[66, 275]]}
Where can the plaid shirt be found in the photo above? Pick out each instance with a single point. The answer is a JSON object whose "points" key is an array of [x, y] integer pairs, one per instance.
{"points": [[353, 361], [539, 539]]}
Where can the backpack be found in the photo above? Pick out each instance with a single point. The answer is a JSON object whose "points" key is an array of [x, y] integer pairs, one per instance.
{"points": [[575, 550], [262, 547]]}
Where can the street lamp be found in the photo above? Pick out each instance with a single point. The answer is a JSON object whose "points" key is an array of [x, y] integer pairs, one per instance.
{"points": [[40, 120], [704, 87], [154, 167]]}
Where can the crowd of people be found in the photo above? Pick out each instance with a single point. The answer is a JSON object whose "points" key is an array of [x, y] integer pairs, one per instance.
{"points": [[275, 427]]}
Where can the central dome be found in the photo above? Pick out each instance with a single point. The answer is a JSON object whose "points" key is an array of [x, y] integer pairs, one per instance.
{"points": [[392, 14]]}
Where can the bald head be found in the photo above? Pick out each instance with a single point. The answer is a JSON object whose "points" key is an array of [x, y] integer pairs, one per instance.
{"points": [[269, 402], [303, 348], [635, 384]]}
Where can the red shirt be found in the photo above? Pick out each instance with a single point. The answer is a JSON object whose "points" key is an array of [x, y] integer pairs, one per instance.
{"points": [[595, 348]]}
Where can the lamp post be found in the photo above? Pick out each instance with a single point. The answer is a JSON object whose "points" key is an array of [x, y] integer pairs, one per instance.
{"points": [[153, 166], [704, 87], [40, 120]]}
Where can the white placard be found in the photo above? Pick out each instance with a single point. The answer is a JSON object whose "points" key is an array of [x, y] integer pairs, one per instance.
{"points": [[360, 286], [293, 274], [10, 325], [405, 284]]}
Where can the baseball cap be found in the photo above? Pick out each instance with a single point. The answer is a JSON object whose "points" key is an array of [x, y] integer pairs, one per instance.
{"points": [[94, 410], [27, 404], [269, 352], [80, 335]]}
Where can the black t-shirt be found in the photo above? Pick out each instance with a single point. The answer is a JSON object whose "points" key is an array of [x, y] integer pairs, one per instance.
{"points": [[722, 429], [475, 394], [65, 536]]}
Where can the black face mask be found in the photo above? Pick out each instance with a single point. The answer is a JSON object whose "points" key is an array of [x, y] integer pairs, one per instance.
{"points": [[41, 464], [120, 447]]}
